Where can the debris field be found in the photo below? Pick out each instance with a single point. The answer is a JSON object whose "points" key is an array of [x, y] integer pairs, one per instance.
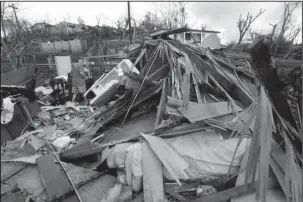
{"points": [[173, 122]]}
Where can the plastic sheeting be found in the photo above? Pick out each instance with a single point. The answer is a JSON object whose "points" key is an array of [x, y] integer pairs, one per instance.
{"points": [[207, 157]]}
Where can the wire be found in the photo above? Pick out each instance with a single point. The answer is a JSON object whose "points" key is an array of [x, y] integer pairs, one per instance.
{"points": [[17, 11]]}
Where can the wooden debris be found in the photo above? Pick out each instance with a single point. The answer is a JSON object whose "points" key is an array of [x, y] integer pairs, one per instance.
{"points": [[54, 179], [152, 175], [198, 94], [261, 139], [162, 104], [198, 112], [27, 159], [174, 163]]}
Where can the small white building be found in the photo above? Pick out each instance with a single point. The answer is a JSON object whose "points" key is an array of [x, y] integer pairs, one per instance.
{"points": [[204, 38], [194, 35]]}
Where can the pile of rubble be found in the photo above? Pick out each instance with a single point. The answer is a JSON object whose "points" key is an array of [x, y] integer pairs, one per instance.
{"points": [[174, 122]]}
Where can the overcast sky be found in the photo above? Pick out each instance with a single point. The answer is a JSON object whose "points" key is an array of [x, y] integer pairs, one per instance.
{"points": [[219, 16]]}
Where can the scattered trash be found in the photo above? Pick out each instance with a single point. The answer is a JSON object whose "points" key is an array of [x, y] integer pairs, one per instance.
{"points": [[62, 142]]}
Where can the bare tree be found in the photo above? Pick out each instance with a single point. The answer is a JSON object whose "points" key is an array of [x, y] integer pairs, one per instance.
{"points": [[151, 22], [80, 20], [289, 8], [119, 24], [98, 18], [245, 23], [288, 32], [203, 27], [173, 14]]}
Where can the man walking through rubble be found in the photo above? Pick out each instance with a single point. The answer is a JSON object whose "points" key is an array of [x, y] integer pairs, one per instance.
{"points": [[78, 80]]}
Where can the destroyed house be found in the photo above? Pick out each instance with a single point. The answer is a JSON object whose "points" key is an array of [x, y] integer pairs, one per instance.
{"points": [[173, 122]]}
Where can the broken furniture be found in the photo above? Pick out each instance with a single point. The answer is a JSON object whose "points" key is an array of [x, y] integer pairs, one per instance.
{"points": [[59, 85], [107, 85]]}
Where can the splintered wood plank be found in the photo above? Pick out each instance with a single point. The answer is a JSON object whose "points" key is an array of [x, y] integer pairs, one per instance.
{"points": [[173, 111], [170, 158], [53, 178], [265, 143], [186, 89], [90, 134], [199, 112], [278, 163], [198, 94], [174, 102], [152, 175], [162, 104], [280, 175]]}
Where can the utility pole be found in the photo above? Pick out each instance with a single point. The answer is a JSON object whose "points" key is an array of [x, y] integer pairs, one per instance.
{"points": [[129, 23], [2, 19], [17, 21]]}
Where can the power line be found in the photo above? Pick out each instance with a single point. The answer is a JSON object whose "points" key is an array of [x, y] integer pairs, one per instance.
{"points": [[17, 11]]}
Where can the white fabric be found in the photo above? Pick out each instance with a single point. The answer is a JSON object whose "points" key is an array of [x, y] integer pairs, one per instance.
{"points": [[129, 155], [137, 179], [128, 164], [7, 111]]}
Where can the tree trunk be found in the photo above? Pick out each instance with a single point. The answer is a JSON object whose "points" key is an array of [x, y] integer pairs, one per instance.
{"points": [[3, 29], [240, 38], [271, 37], [5, 48]]}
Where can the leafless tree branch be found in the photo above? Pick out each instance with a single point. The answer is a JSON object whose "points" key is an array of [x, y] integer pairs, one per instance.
{"points": [[244, 24]]}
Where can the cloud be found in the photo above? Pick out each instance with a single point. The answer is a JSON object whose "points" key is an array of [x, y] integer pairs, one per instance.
{"points": [[221, 16], [224, 15]]}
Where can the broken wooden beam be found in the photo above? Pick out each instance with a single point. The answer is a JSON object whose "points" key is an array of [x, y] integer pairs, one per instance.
{"points": [[199, 112], [152, 175], [161, 107]]}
